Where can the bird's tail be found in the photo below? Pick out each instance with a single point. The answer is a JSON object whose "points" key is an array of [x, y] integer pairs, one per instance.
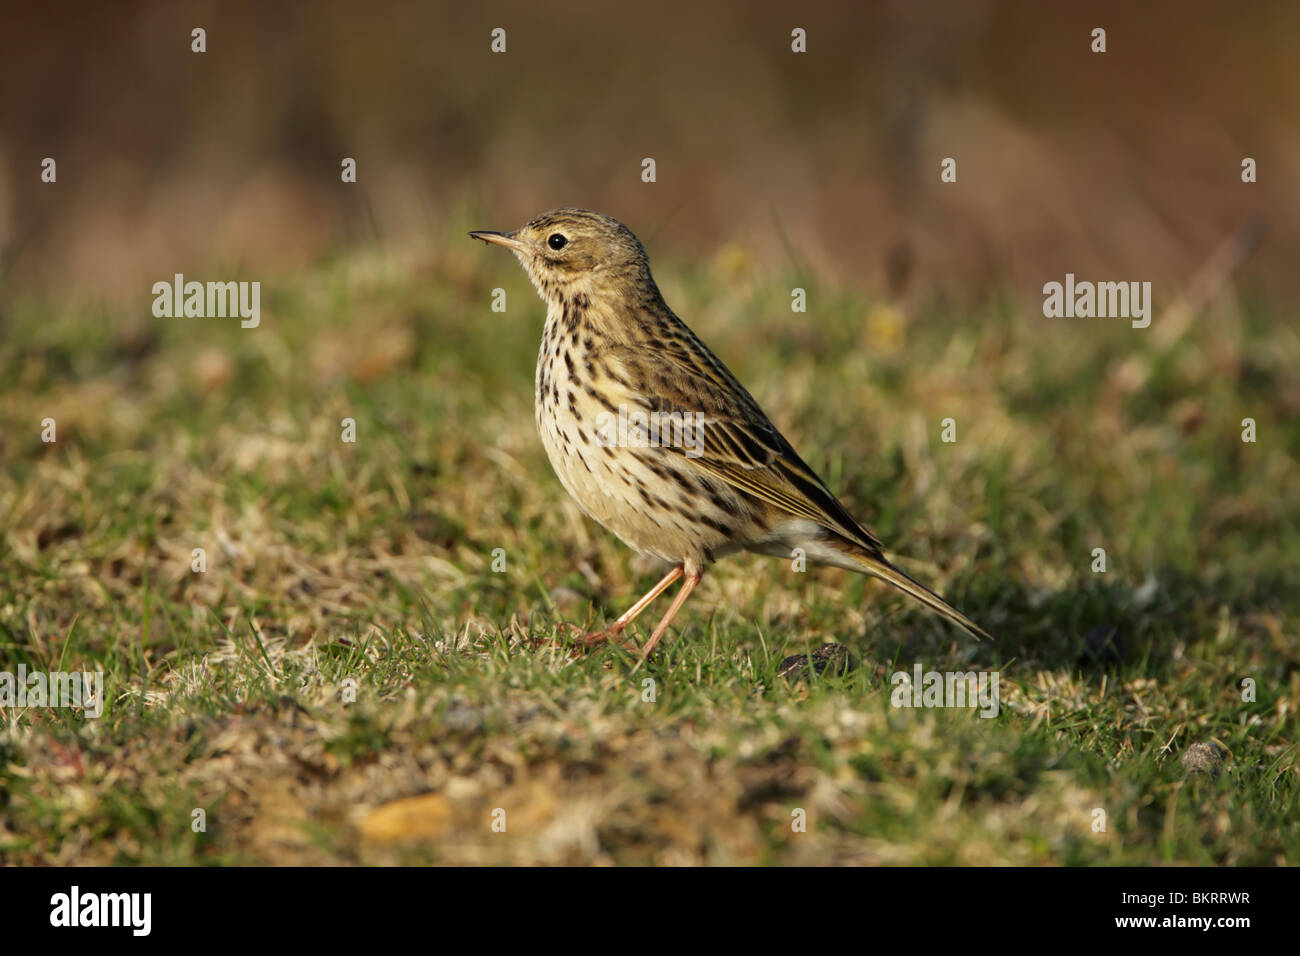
{"points": [[877, 566]]}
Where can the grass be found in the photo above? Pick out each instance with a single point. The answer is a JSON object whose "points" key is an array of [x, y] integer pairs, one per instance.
{"points": [[336, 569]]}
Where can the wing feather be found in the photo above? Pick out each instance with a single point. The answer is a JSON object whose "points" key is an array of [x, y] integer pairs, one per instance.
{"points": [[739, 444]]}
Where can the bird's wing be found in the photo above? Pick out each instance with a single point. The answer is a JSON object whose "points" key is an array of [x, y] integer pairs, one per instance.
{"points": [[735, 441]]}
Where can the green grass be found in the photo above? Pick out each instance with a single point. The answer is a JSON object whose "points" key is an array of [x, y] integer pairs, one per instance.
{"points": [[372, 563]]}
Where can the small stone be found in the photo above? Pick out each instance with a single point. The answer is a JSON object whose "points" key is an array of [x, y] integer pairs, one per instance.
{"points": [[412, 818], [831, 656], [1204, 758]]}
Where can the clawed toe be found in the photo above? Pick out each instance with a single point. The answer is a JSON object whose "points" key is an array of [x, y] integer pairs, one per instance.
{"points": [[583, 640]]}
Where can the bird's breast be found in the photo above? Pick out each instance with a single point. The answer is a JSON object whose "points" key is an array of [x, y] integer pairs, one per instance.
{"points": [[652, 497], [568, 407]]}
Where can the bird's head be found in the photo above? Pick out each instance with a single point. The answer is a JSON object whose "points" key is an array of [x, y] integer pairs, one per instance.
{"points": [[570, 251]]}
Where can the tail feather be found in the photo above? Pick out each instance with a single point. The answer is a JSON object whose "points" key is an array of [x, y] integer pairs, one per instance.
{"points": [[878, 567]]}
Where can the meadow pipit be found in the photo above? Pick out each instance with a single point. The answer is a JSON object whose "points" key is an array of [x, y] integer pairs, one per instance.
{"points": [[719, 477]]}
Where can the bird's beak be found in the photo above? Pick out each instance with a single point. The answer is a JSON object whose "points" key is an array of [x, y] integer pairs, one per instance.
{"points": [[506, 239]]}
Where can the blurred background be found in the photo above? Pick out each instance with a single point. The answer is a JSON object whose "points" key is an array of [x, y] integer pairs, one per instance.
{"points": [[1117, 166]]}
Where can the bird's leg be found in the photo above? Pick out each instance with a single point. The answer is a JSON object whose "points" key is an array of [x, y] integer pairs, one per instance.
{"points": [[692, 579], [612, 632], [630, 614]]}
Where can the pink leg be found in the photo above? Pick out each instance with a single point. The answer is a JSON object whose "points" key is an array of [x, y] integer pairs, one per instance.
{"points": [[627, 616], [692, 579], [614, 630]]}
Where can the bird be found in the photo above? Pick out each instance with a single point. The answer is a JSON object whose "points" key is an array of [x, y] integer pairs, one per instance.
{"points": [[716, 477]]}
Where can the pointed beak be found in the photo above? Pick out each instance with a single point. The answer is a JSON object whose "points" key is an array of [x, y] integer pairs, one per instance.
{"points": [[506, 239]]}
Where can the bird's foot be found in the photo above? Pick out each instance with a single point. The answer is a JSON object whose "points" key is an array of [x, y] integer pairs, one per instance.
{"points": [[583, 640]]}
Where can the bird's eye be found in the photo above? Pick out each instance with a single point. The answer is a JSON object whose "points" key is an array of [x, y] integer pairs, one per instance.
{"points": [[556, 241]]}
